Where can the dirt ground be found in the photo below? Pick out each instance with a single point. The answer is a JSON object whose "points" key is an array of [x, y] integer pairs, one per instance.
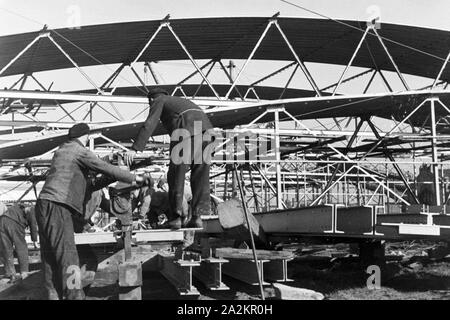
{"points": [[409, 273]]}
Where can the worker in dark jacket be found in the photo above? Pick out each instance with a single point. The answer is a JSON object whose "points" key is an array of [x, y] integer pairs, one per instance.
{"points": [[178, 113], [62, 196], [12, 237]]}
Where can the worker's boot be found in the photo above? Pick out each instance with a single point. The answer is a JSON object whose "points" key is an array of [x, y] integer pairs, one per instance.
{"points": [[186, 219], [195, 222], [175, 221], [13, 279], [52, 295], [173, 224]]}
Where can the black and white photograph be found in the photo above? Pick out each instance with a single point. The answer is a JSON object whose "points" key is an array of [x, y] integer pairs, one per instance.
{"points": [[230, 156]]}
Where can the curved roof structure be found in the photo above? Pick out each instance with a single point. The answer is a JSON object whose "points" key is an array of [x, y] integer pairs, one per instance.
{"points": [[263, 92], [314, 40]]}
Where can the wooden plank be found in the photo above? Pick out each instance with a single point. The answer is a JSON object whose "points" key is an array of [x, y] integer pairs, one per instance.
{"points": [[246, 254], [159, 235]]}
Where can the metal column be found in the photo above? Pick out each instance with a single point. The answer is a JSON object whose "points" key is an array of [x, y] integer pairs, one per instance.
{"points": [[278, 158], [434, 150]]}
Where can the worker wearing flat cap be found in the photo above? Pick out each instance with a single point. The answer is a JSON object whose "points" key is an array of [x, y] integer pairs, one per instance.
{"points": [[62, 196], [178, 113]]}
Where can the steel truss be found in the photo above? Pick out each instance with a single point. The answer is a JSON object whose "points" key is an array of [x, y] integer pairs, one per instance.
{"points": [[321, 172]]}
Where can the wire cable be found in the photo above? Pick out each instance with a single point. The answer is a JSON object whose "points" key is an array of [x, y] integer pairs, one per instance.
{"points": [[363, 30]]}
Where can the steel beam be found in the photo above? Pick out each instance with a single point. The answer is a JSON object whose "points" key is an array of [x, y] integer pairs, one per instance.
{"points": [[289, 81], [392, 60], [152, 72], [203, 80], [276, 270], [273, 73], [210, 273], [370, 81], [348, 79], [278, 158], [195, 72], [244, 270], [393, 129], [397, 168], [179, 273], [230, 78], [167, 24], [252, 53], [349, 144], [434, 151], [139, 79], [10, 63], [351, 60], [355, 163], [73, 62], [385, 80], [299, 61], [108, 82]]}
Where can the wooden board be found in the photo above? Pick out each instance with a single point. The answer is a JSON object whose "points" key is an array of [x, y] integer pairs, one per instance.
{"points": [[233, 253]]}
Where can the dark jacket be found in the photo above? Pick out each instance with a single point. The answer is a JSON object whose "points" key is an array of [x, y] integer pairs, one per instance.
{"points": [[68, 176], [25, 218], [174, 113]]}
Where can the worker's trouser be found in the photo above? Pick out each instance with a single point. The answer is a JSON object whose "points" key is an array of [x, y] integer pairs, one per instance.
{"points": [[60, 262], [86, 254], [12, 236], [200, 203]]}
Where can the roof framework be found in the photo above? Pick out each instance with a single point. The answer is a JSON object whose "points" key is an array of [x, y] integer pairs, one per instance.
{"points": [[400, 49]]}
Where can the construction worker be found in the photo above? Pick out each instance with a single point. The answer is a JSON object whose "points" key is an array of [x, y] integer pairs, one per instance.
{"points": [[13, 223], [140, 201], [3, 209], [178, 113], [61, 197]]}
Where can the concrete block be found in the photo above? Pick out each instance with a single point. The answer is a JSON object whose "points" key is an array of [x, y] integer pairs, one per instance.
{"points": [[285, 292], [130, 274], [130, 293]]}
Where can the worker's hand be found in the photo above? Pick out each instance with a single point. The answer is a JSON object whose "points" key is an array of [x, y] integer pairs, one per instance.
{"points": [[96, 229], [128, 157], [161, 183], [36, 245], [140, 180], [148, 180]]}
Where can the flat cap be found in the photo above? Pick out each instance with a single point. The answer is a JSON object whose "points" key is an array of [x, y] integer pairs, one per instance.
{"points": [[78, 130], [156, 91]]}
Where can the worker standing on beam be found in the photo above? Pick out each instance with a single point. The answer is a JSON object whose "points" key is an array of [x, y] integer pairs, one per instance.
{"points": [[62, 196], [178, 113], [13, 223]]}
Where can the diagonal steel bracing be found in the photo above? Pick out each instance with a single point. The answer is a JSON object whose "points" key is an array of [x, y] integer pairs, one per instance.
{"points": [[356, 164], [297, 59], [391, 158], [338, 165]]}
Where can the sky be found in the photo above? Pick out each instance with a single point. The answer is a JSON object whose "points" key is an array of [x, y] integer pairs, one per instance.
{"points": [[60, 13]]}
